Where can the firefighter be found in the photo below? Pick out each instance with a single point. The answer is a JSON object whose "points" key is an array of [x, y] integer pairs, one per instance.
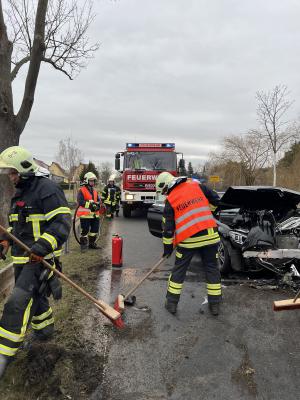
{"points": [[111, 196], [40, 217], [88, 201], [188, 225]]}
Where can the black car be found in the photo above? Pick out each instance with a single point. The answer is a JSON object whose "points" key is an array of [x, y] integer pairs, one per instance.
{"points": [[251, 221]]}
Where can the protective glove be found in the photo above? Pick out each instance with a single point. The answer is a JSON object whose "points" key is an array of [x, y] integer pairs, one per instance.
{"points": [[168, 250], [34, 258], [94, 206], [4, 246]]}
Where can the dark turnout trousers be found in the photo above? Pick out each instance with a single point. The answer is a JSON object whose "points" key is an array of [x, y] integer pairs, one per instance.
{"points": [[183, 259], [24, 305], [89, 226]]}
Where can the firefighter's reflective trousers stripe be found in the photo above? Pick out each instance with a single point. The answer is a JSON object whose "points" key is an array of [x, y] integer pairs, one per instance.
{"points": [[24, 305], [209, 259]]}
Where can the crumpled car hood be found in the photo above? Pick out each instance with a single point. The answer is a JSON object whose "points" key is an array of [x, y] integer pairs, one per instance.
{"points": [[259, 198]]}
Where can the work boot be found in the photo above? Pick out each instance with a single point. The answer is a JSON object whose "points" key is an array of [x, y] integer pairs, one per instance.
{"points": [[92, 242], [4, 361], [83, 243], [214, 308], [171, 306], [117, 213]]}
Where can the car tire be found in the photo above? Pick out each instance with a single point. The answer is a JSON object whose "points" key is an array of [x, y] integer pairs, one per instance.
{"points": [[126, 211], [224, 258]]}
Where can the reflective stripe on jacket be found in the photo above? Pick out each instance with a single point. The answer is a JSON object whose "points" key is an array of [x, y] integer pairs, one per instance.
{"points": [[111, 195], [39, 217], [191, 211], [85, 212]]}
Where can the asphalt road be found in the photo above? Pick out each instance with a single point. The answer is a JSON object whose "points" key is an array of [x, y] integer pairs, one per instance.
{"points": [[248, 352]]}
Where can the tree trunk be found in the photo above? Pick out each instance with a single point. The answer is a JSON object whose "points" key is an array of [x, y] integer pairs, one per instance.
{"points": [[274, 169], [8, 132], [8, 137]]}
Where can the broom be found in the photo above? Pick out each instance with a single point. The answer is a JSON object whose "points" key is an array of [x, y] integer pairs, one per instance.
{"points": [[104, 308], [290, 304], [121, 299]]}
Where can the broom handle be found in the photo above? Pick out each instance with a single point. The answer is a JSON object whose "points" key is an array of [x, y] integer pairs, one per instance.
{"points": [[296, 297], [145, 277], [100, 303]]}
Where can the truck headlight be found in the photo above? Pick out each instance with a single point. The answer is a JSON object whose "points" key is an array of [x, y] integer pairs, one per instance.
{"points": [[129, 196]]}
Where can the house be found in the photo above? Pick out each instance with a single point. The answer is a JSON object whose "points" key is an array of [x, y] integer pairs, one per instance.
{"points": [[41, 163], [58, 174]]}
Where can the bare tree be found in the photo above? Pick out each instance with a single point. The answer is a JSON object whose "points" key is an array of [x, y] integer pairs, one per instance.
{"points": [[251, 151], [105, 170], [69, 156], [271, 110], [32, 32]]}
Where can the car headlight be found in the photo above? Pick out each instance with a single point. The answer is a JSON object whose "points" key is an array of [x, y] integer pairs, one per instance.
{"points": [[129, 196], [237, 237]]}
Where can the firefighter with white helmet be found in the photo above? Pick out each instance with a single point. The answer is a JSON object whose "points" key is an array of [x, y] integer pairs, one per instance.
{"points": [[111, 196], [189, 226], [39, 216], [88, 201], [162, 182]]}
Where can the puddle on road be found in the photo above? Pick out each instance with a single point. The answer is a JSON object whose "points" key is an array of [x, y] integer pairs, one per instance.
{"points": [[114, 281]]}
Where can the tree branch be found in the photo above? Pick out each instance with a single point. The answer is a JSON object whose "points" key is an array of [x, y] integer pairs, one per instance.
{"points": [[49, 61], [18, 65]]}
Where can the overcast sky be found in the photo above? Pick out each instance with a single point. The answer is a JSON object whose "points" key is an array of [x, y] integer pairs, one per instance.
{"points": [[183, 71]]}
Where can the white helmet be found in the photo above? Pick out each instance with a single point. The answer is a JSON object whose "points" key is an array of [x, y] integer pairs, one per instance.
{"points": [[112, 178], [162, 182], [88, 177]]}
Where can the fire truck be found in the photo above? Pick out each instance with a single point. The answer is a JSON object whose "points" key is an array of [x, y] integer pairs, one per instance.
{"points": [[141, 164]]}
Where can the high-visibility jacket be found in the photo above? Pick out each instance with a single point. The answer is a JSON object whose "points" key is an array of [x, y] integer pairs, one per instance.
{"points": [[40, 217], [111, 195], [192, 213], [85, 197]]}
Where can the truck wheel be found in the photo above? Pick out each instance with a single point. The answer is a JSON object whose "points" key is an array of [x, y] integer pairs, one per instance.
{"points": [[126, 211], [224, 258]]}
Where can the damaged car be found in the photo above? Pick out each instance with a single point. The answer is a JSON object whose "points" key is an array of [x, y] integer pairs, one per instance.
{"points": [[259, 227], [263, 233]]}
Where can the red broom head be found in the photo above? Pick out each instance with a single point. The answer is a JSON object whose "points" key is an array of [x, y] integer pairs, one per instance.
{"points": [[118, 323], [116, 305]]}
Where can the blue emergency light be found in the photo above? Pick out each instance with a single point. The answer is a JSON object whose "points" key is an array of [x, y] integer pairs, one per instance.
{"points": [[151, 145]]}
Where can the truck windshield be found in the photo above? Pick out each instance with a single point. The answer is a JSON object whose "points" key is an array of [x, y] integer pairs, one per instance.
{"points": [[148, 160]]}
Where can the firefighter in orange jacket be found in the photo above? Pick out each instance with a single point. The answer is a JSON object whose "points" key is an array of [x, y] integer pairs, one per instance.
{"points": [[88, 201], [188, 225]]}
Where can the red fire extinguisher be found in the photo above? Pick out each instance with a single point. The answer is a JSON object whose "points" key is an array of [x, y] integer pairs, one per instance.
{"points": [[117, 248]]}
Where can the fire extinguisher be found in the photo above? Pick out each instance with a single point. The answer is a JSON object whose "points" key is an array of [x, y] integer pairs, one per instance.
{"points": [[117, 248]]}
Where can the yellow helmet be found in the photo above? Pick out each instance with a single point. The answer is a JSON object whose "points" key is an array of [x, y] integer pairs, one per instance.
{"points": [[88, 177], [162, 182], [17, 158]]}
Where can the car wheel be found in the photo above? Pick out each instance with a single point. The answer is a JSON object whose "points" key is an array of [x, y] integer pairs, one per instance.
{"points": [[126, 211], [224, 258]]}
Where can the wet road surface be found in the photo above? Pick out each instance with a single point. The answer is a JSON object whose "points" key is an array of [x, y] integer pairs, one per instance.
{"points": [[248, 352]]}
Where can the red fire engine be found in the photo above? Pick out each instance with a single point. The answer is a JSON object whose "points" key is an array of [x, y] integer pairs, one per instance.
{"points": [[142, 162]]}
